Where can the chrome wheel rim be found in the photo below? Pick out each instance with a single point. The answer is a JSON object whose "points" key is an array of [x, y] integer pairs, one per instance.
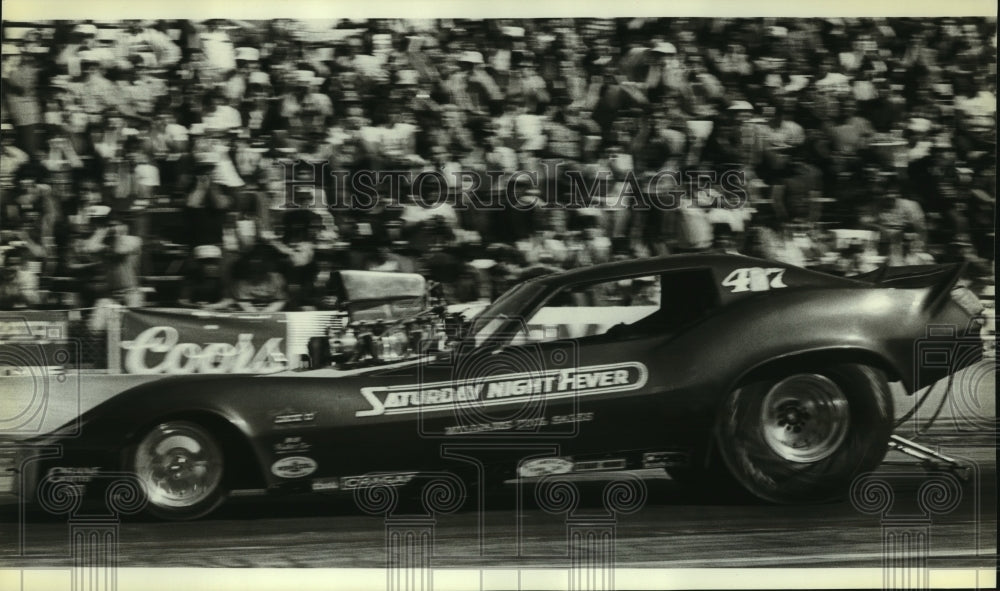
{"points": [[804, 418], [179, 464]]}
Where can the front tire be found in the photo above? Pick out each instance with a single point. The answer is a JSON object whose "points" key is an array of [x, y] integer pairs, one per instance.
{"points": [[803, 437], [182, 469]]}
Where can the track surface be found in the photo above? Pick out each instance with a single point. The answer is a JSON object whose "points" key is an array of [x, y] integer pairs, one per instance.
{"points": [[670, 530]]}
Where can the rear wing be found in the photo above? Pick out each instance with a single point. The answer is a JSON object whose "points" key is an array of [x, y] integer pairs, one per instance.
{"points": [[939, 280]]}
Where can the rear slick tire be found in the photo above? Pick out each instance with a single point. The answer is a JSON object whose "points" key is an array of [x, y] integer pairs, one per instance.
{"points": [[803, 437]]}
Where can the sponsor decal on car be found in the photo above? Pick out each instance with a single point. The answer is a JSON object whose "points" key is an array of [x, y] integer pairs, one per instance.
{"points": [[293, 467], [291, 445], [321, 484], [518, 424], [664, 459], [503, 389], [74, 475], [600, 465], [544, 466], [287, 416], [366, 480]]}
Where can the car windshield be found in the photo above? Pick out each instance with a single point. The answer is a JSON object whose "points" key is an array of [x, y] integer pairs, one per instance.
{"points": [[510, 305]]}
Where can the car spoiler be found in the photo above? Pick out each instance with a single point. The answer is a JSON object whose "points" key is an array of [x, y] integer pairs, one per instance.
{"points": [[937, 279]]}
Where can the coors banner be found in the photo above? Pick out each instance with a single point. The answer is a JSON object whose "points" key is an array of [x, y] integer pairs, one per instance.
{"points": [[165, 341]]}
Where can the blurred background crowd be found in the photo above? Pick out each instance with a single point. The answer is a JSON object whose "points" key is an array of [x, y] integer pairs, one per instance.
{"points": [[150, 162]]}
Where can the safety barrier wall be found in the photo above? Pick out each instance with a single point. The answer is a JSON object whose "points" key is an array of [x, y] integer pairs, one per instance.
{"points": [[151, 341]]}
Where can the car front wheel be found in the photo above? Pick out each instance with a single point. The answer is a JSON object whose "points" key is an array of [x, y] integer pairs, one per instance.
{"points": [[181, 467], [803, 437]]}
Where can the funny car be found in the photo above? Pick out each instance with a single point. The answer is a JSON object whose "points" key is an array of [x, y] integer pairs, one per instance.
{"points": [[772, 376]]}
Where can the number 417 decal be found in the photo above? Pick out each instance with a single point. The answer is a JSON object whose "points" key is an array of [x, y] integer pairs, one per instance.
{"points": [[755, 279]]}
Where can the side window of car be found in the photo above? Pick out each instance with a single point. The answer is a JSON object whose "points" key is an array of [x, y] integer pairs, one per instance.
{"points": [[625, 308], [593, 309]]}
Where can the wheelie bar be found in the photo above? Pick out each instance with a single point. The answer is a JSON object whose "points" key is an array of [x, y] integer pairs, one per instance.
{"points": [[928, 457]]}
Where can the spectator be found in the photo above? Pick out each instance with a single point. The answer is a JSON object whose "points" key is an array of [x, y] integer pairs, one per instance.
{"points": [[891, 213], [21, 73], [907, 249], [257, 284], [18, 281], [207, 203], [119, 253], [33, 212], [205, 284], [11, 158], [207, 116]]}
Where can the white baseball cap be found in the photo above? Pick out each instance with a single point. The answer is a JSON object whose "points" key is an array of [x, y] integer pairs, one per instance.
{"points": [[86, 29], [207, 251], [665, 48], [247, 54], [472, 57]]}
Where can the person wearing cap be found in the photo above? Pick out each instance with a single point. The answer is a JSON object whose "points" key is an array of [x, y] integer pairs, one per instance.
{"points": [[261, 113], [302, 106], [126, 170], [907, 248], [128, 92], [238, 80], [397, 140], [776, 141], [82, 38], [149, 85], [651, 67], [471, 87], [18, 280], [734, 64], [141, 36], [733, 140], [218, 115], [94, 92], [11, 158], [850, 131], [525, 86], [119, 253], [218, 49], [20, 72], [918, 144], [62, 162], [258, 286], [890, 213], [32, 211], [207, 201], [205, 285]]}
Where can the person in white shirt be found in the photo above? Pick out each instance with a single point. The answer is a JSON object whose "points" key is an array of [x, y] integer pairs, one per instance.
{"points": [[217, 47], [218, 114], [141, 37]]}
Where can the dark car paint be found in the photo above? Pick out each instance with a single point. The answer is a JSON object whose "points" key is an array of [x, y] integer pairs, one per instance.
{"points": [[689, 371]]}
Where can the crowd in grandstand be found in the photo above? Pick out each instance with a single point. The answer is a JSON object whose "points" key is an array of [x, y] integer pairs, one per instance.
{"points": [[151, 163]]}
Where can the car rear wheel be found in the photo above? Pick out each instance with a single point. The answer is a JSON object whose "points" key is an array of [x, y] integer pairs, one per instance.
{"points": [[803, 437], [181, 466]]}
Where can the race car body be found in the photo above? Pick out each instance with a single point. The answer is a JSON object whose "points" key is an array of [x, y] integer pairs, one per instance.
{"points": [[774, 375]]}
